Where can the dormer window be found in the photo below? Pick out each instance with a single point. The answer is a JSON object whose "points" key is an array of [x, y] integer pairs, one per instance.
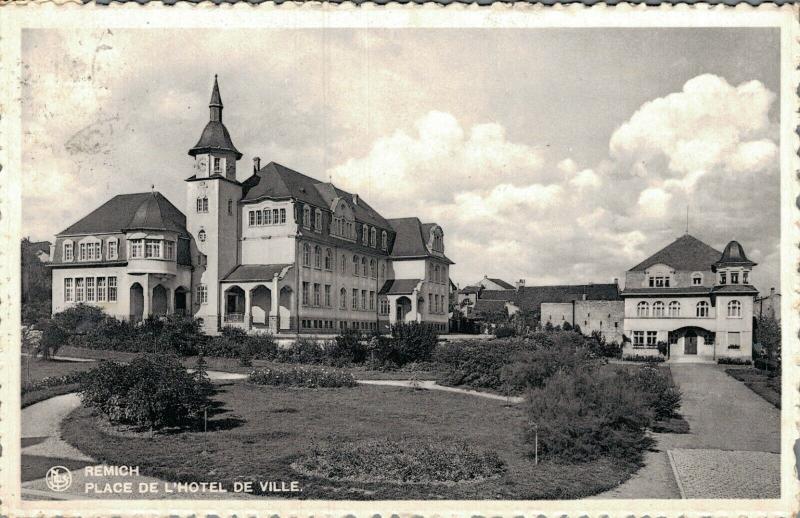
{"points": [[307, 216], [113, 248], [372, 237], [365, 235], [68, 250], [658, 281], [697, 279], [723, 277], [217, 165], [318, 220], [745, 278], [384, 240], [734, 277]]}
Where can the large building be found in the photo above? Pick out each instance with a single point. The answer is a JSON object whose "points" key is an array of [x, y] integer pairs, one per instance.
{"points": [[278, 251], [692, 297]]}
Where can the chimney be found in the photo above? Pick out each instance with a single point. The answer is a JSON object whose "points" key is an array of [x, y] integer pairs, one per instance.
{"points": [[616, 281], [355, 199], [520, 283], [256, 164]]}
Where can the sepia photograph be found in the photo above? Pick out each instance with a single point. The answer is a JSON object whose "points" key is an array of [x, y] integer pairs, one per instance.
{"points": [[402, 263]]}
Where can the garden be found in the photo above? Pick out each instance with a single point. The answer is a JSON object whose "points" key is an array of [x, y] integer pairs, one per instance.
{"points": [[301, 414]]}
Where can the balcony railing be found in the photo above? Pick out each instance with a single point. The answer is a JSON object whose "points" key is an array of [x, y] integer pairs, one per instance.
{"points": [[234, 317]]}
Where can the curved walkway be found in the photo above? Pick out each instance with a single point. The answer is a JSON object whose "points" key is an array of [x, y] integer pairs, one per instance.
{"points": [[432, 385]]}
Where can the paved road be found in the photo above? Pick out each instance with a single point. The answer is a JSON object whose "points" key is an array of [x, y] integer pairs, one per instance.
{"points": [[732, 448]]}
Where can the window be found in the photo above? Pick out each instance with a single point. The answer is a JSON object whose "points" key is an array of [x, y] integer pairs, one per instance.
{"points": [[217, 161], [734, 340], [371, 300], [202, 294], [364, 299], [723, 277], [152, 248], [643, 309], [202, 204], [373, 272], [317, 220], [201, 236], [343, 299], [137, 246], [317, 294], [638, 338], [328, 259], [702, 309], [275, 216], [112, 289], [305, 293], [267, 218], [230, 207], [82, 252], [734, 277], [383, 270], [355, 299], [251, 218], [79, 293], [745, 278], [307, 216], [651, 338], [68, 295], [343, 264], [306, 255], [384, 240], [101, 289], [436, 273], [659, 281], [658, 309], [372, 237], [283, 215], [734, 309], [384, 306], [365, 235], [169, 250], [259, 218], [355, 265], [98, 248], [68, 248], [674, 308], [113, 248], [317, 257]]}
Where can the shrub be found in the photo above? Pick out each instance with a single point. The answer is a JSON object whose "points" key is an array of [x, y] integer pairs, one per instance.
{"points": [[307, 377], [53, 337], [658, 390], [504, 332], [531, 368], [643, 358], [79, 318], [734, 361], [236, 343], [581, 416], [304, 350], [384, 460], [476, 364], [413, 342], [55, 381], [179, 335], [350, 345], [153, 390]]}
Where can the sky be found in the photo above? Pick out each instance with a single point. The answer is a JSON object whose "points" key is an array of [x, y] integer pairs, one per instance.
{"points": [[551, 155]]}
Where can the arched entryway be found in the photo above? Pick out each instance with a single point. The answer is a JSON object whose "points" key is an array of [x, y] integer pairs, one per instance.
{"points": [[234, 304], [136, 302], [159, 301], [260, 304], [180, 300], [285, 303], [691, 341], [403, 308]]}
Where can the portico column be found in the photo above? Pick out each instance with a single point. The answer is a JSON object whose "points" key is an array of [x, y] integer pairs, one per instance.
{"points": [[273, 310], [170, 294], [247, 322], [392, 310], [147, 295], [414, 302]]}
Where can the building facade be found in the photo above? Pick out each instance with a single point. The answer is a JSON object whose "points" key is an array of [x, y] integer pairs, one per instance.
{"points": [[279, 252], [692, 297]]}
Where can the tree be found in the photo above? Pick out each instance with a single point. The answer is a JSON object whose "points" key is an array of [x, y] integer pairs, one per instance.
{"points": [[768, 335], [36, 284]]}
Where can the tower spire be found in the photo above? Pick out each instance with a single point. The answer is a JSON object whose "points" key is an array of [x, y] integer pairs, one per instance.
{"points": [[215, 106]]}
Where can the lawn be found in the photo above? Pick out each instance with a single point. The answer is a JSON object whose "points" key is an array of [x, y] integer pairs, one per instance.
{"points": [[33, 370], [768, 387], [258, 432]]}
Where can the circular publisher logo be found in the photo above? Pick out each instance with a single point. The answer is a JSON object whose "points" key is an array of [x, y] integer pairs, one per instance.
{"points": [[58, 478]]}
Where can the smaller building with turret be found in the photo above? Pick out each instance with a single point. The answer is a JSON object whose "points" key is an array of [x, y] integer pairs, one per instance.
{"points": [[694, 299]]}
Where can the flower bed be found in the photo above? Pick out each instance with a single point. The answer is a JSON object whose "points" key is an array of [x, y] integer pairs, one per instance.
{"points": [[307, 377]]}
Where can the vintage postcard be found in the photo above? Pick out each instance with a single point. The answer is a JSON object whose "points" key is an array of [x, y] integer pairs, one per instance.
{"points": [[330, 260]]}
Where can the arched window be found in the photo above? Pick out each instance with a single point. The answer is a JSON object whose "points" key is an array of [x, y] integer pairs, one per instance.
{"points": [[372, 271], [702, 309], [355, 265], [364, 235], [317, 257], [307, 216], [328, 259], [674, 308], [201, 235], [318, 220], [372, 236], [643, 309], [384, 240], [364, 266], [306, 255], [343, 299], [697, 279], [658, 309], [734, 309]]}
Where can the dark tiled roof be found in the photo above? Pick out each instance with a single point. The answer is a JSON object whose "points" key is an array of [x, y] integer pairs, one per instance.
{"points": [[398, 286], [500, 282], [39, 246], [411, 237], [489, 306], [686, 290], [470, 289], [734, 288], [254, 272], [140, 211], [215, 137], [530, 298], [734, 255], [686, 253]]}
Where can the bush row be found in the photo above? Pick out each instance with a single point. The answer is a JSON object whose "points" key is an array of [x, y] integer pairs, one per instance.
{"points": [[643, 358], [306, 377], [54, 381], [734, 361]]}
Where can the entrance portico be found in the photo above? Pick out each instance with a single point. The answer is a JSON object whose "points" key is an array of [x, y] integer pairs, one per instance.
{"points": [[258, 297]]}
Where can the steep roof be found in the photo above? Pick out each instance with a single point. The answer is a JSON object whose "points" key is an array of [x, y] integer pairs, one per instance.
{"points": [[255, 272], [530, 298], [687, 253], [489, 306], [411, 238], [215, 136], [734, 255], [144, 210], [500, 282], [398, 286]]}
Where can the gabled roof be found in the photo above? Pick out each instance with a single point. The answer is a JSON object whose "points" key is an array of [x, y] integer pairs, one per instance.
{"points": [[255, 272], [530, 298], [139, 211], [399, 286], [489, 306], [470, 289], [500, 282], [411, 236], [687, 253]]}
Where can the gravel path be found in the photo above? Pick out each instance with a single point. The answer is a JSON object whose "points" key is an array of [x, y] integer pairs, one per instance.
{"points": [[432, 385]]}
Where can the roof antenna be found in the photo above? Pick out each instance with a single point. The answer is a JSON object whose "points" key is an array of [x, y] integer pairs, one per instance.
{"points": [[687, 220], [152, 187]]}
